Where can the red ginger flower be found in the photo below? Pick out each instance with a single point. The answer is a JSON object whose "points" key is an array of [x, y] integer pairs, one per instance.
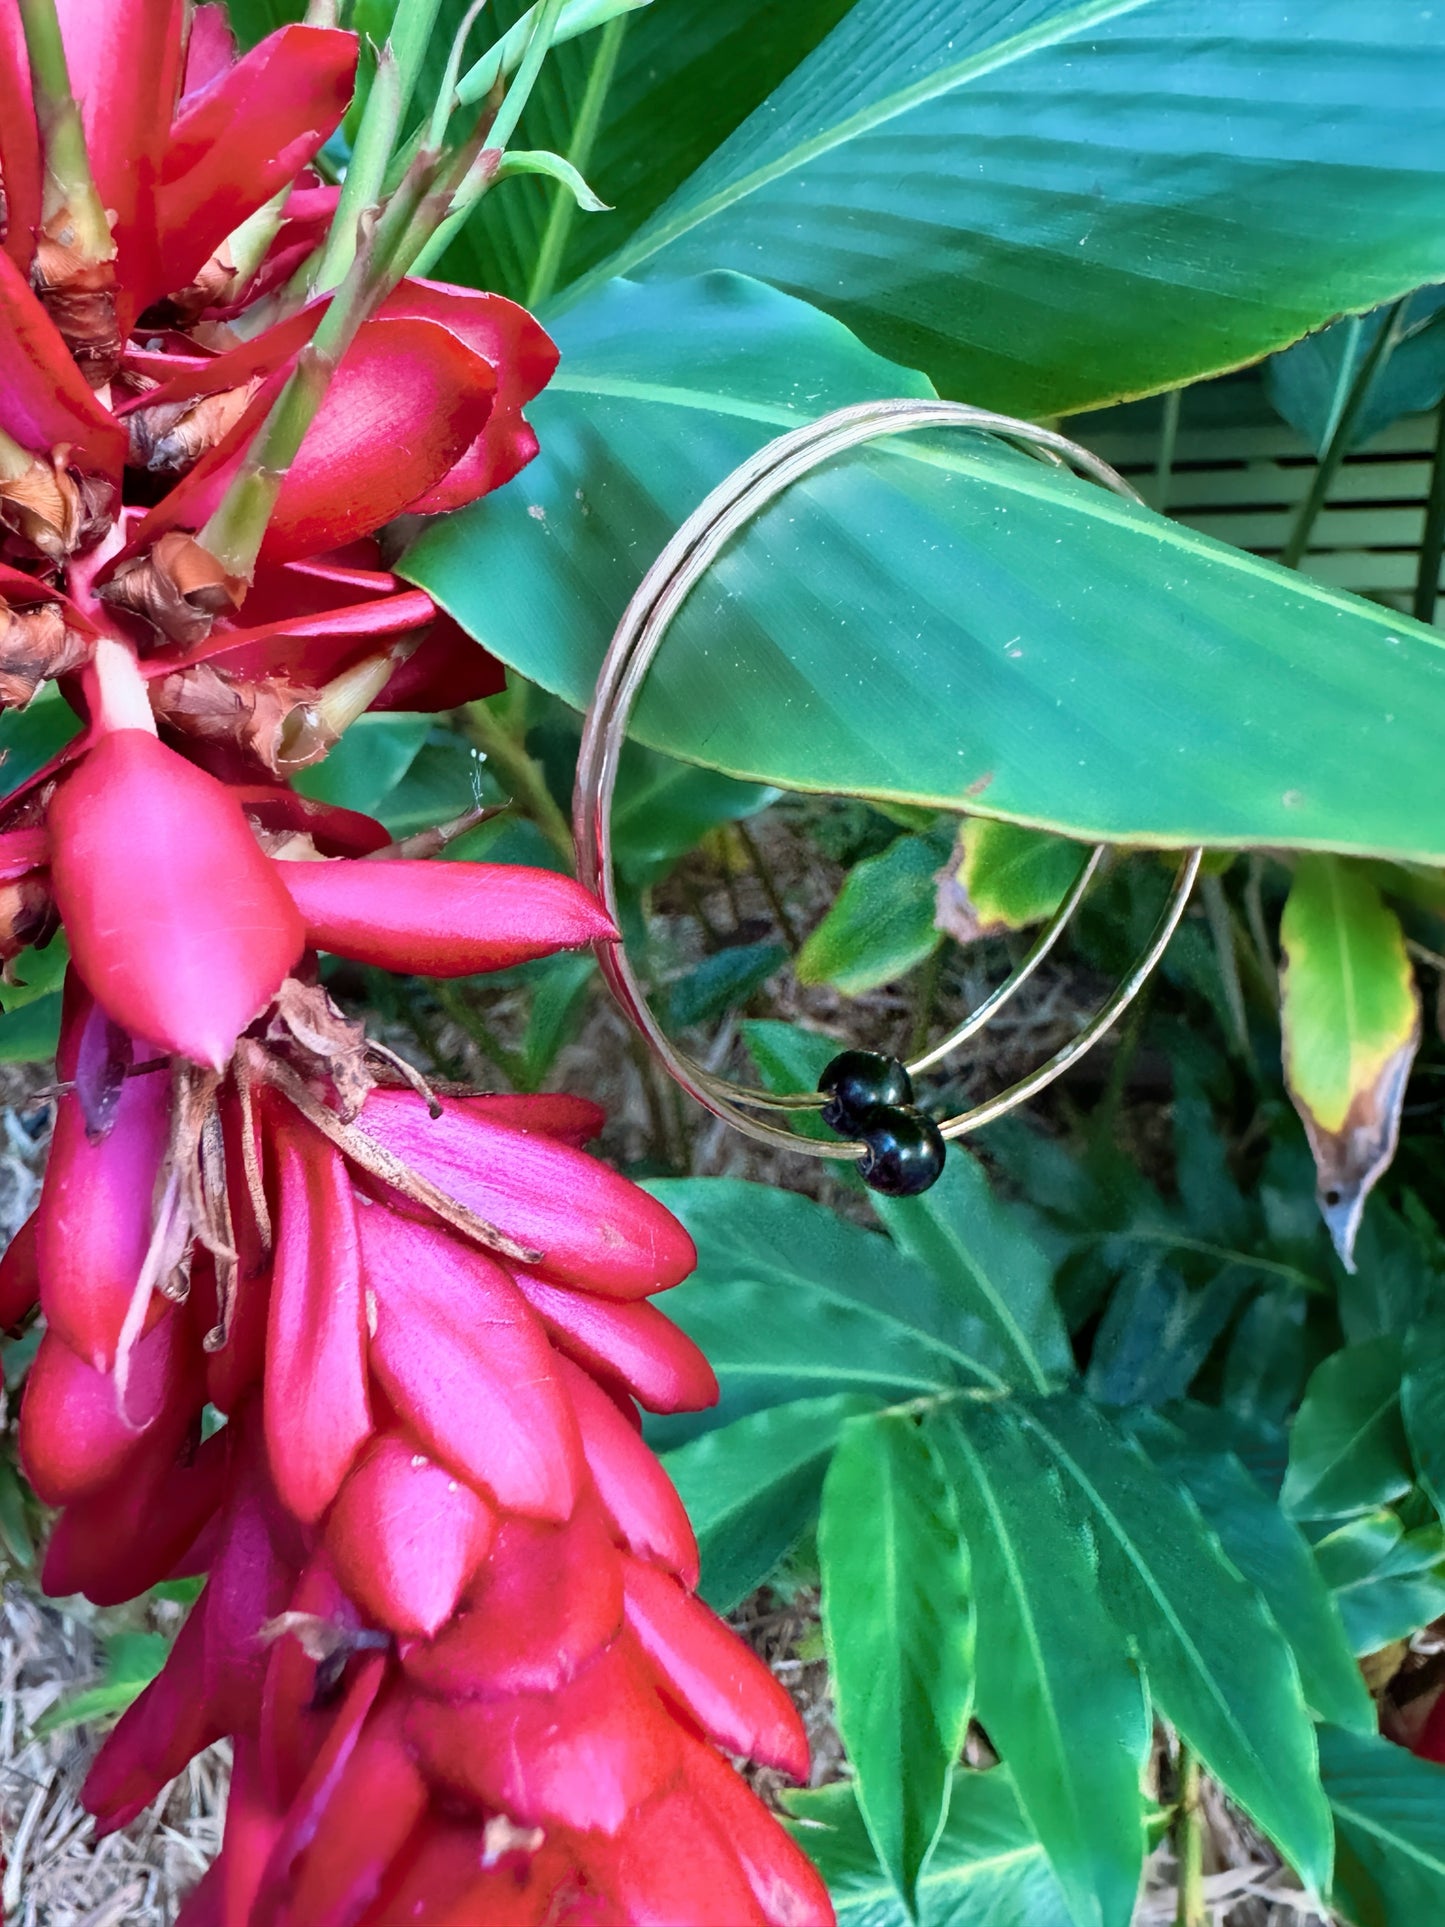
{"points": [[449, 1616]]}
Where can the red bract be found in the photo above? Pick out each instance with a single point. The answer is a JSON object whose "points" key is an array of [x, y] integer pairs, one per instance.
{"points": [[445, 920], [488, 1608], [448, 1620], [179, 926]]}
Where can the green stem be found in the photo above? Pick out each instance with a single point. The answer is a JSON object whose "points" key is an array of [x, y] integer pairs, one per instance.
{"points": [[236, 528], [520, 773], [1168, 438], [584, 138], [446, 103], [70, 190], [1427, 578], [509, 1062], [503, 125], [1343, 433], [398, 69], [1221, 931], [770, 887], [578, 17], [923, 1000], [1187, 1829]]}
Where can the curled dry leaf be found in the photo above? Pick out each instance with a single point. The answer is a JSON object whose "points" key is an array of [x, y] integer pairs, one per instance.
{"points": [[177, 586], [51, 510], [79, 295], [36, 644], [270, 719], [1351, 1020], [169, 436]]}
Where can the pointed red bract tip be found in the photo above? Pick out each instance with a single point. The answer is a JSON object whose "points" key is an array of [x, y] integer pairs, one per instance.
{"points": [[178, 924], [585, 1755], [634, 1345], [467, 1367], [20, 1275], [593, 1227], [74, 1435], [405, 1535], [547, 1598], [317, 1408], [443, 919], [700, 1660], [636, 1493], [94, 1221]]}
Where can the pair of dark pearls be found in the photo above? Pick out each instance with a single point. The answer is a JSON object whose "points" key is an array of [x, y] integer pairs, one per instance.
{"points": [[870, 1097]]}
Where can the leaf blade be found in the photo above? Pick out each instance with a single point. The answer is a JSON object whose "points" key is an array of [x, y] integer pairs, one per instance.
{"points": [[901, 625], [898, 1622], [1061, 1701]]}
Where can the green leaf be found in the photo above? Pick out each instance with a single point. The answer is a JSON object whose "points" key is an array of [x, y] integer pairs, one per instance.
{"points": [[1157, 1332], [752, 1488], [1268, 1551], [31, 1035], [1347, 1452], [1350, 1015], [132, 1662], [898, 1621], [1309, 383], [554, 168], [37, 974], [559, 995], [789, 1058], [252, 20], [987, 1870], [1422, 1408], [1387, 1583], [1043, 204], [1058, 1692], [637, 109], [722, 982], [789, 1301], [1389, 1813], [15, 1534], [1004, 878], [663, 808], [1216, 1663], [29, 737], [367, 764], [979, 1249], [881, 923], [447, 777], [905, 624]]}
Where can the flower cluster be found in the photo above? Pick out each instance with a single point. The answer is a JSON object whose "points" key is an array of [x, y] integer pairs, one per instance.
{"points": [[368, 1358]]}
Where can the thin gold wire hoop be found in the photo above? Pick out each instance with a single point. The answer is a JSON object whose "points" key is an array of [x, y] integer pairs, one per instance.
{"points": [[634, 646]]}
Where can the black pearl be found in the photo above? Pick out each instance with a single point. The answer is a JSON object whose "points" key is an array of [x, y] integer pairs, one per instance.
{"points": [[906, 1152], [859, 1081]]}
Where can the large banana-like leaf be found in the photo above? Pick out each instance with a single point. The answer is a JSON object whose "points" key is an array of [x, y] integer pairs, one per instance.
{"points": [[943, 623], [1053, 203]]}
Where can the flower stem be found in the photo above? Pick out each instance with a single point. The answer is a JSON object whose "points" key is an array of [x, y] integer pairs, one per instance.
{"points": [[398, 69], [579, 152], [1427, 579], [521, 774], [236, 528], [70, 195], [503, 125], [1343, 433], [1188, 1831]]}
